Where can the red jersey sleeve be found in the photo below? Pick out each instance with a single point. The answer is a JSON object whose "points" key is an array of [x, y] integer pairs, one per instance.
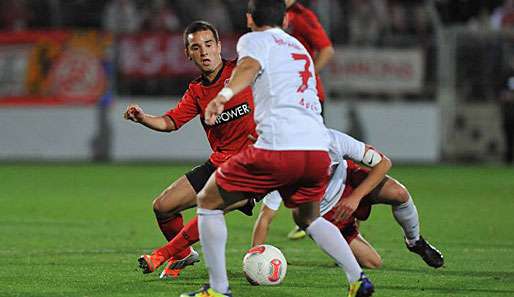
{"points": [[313, 31], [186, 109]]}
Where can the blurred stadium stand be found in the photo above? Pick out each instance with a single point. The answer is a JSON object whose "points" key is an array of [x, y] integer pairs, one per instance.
{"points": [[420, 79]]}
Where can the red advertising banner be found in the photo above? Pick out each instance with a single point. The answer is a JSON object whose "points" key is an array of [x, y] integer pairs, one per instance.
{"points": [[377, 70], [54, 67], [152, 55]]}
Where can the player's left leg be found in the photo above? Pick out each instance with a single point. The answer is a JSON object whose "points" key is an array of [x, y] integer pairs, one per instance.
{"points": [[404, 211], [328, 237], [366, 255], [212, 200]]}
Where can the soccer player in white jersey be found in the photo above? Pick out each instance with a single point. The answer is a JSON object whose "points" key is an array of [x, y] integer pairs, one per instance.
{"points": [[347, 176], [290, 154]]}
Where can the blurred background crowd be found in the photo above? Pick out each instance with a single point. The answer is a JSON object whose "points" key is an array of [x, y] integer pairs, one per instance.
{"points": [[458, 55], [351, 21], [377, 23]]}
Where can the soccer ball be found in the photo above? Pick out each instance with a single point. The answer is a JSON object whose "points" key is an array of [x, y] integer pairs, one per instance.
{"points": [[264, 265]]}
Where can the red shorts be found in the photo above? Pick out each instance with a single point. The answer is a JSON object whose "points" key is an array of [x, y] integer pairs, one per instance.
{"points": [[355, 175], [299, 176]]}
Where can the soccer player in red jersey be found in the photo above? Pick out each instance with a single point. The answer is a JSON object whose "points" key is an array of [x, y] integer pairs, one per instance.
{"points": [[227, 137], [304, 25]]}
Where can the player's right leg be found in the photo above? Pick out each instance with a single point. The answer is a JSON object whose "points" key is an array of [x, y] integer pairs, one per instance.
{"points": [[405, 213], [328, 237], [180, 195], [212, 200], [187, 237]]}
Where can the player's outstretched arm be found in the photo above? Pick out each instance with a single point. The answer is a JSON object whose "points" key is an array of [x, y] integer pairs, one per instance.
{"points": [[261, 227], [159, 123], [380, 165], [243, 76]]}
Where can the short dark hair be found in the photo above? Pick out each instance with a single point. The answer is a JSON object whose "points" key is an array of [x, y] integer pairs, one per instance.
{"points": [[267, 12], [198, 26]]}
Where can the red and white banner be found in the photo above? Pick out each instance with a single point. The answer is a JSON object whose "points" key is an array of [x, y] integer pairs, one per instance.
{"points": [[375, 70], [53, 67], [151, 55]]}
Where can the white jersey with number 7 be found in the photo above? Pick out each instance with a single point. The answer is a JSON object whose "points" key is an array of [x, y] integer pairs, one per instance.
{"points": [[287, 108]]}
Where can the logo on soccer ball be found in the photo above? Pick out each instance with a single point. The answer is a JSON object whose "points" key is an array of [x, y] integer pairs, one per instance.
{"points": [[275, 273]]}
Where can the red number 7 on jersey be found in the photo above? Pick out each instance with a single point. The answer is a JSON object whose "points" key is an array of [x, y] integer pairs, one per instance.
{"points": [[305, 74]]}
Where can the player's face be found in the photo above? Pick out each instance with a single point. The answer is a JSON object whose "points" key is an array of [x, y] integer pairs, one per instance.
{"points": [[204, 51]]}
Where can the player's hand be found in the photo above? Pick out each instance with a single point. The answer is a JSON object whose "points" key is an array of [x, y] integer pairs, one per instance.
{"points": [[214, 109], [346, 208], [134, 113]]}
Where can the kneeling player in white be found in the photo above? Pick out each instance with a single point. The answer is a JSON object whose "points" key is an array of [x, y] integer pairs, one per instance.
{"points": [[342, 207]]}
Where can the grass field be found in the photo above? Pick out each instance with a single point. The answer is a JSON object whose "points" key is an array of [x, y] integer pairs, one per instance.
{"points": [[77, 230]]}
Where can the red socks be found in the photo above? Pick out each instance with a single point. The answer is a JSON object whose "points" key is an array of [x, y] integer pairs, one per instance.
{"points": [[171, 227], [178, 247]]}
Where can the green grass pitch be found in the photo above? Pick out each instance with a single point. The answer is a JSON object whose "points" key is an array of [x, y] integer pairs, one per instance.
{"points": [[77, 230]]}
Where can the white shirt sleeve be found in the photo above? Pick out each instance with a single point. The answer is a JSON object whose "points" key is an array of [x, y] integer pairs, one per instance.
{"points": [[345, 146], [254, 46], [272, 200]]}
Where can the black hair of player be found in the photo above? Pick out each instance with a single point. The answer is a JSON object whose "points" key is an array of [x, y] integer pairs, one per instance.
{"points": [[267, 12], [198, 26]]}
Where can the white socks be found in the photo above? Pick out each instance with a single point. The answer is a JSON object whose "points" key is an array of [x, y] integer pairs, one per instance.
{"points": [[330, 240], [213, 237], [406, 215]]}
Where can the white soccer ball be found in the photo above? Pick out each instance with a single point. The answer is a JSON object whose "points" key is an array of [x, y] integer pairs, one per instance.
{"points": [[264, 265]]}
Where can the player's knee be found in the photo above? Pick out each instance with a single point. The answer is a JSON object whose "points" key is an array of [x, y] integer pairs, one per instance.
{"points": [[302, 221], [161, 213], [304, 215], [165, 205], [400, 193], [209, 201], [156, 204], [372, 262]]}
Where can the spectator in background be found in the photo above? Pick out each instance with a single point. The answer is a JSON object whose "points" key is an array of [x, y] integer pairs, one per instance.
{"points": [[161, 17], [503, 16], [212, 11], [335, 26], [14, 15], [366, 21], [507, 109], [422, 25], [399, 21], [77, 13], [121, 16], [215, 12]]}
